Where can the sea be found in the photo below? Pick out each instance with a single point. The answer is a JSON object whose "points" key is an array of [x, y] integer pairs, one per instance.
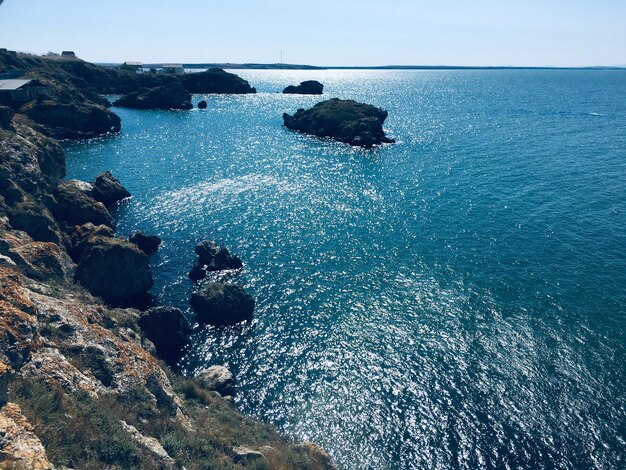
{"points": [[456, 300]]}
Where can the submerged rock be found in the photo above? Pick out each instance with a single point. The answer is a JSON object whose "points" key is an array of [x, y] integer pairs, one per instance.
{"points": [[167, 328], [215, 81], [146, 243], [170, 96], [74, 207], [115, 270], [107, 189], [222, 304], [308, 87], [218, 379], [202, 104], [347, 121]]}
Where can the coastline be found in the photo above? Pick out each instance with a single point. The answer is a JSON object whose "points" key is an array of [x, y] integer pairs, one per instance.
{"points": [[80, 382]]}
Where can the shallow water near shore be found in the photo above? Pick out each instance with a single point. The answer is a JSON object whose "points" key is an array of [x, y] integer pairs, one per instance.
{"points": [[455, 300]]}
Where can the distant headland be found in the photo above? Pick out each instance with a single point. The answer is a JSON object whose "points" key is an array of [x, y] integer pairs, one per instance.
{"points": [[282, 66]]}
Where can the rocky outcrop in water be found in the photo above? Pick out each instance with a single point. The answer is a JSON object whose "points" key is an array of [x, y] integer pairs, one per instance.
{"points": [[146, 243], [73, 120], [202, 104], [83, 237], [115, 270], [73, 206], [108, 190], [347, 121], [212, 257], [170, 96], [222, 304], [167, 328], [215, 81], [308, 87]]}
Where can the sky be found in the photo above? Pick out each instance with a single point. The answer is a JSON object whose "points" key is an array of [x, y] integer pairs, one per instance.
{"points": [[323, 32]]}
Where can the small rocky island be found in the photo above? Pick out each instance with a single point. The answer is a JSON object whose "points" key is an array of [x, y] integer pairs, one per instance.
{"points": [[308, 87], [347, 121]]}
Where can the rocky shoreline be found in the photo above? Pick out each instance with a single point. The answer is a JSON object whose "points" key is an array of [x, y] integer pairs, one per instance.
{"points": [[83, 383]]}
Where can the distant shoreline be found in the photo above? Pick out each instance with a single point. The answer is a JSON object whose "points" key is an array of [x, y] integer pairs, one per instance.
{"points": [[254, 66]]}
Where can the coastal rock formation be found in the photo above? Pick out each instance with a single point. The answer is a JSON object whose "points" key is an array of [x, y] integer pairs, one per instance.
{"points": [[79, 385], [215, 81], [115, 270], [167, 328], [202, 104], [73, 206], [308, 87], [216, 258], [218, 379], [146, 243], [169, 96], [84, 236], [108, 190], [73, 120], [347, 121], [222, 304]]}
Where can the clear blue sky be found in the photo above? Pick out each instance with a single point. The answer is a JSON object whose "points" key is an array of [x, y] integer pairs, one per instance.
{"points": [[323, 32]]}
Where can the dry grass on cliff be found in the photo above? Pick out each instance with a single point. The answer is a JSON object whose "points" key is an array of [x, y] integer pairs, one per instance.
{"points": [[84, 432]]}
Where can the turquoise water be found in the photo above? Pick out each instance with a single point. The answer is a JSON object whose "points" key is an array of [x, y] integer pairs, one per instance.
{"points": [[455, 300]]}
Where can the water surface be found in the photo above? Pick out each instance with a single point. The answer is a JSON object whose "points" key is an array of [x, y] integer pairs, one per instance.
{"points": [[455, 300]]}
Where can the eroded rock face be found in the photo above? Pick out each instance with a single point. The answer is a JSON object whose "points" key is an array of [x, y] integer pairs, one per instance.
{"points": [[202, 104], [167, 328], [6, 117], [347, 121], [73, 206], [115, 270], [215, 81], [146, 243], [308, 87], [222, 304], [84, 236], [218, 379], [108, 190], [74, 120], [169, 96]]}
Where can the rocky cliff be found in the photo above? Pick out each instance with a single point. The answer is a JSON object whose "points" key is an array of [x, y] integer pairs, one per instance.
{"points": [[81, 385]]}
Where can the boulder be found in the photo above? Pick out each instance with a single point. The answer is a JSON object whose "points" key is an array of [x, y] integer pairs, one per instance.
{"points": [[74, 120], [244, 456], [347, 121], [218, 379], [115, 270], [216, 258], [108, 190], [308, 87], [215, 81], [84, 236], [169, 96], [222, 304], [72, 206], [202, 104], [146, 243], [167, 328]]}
